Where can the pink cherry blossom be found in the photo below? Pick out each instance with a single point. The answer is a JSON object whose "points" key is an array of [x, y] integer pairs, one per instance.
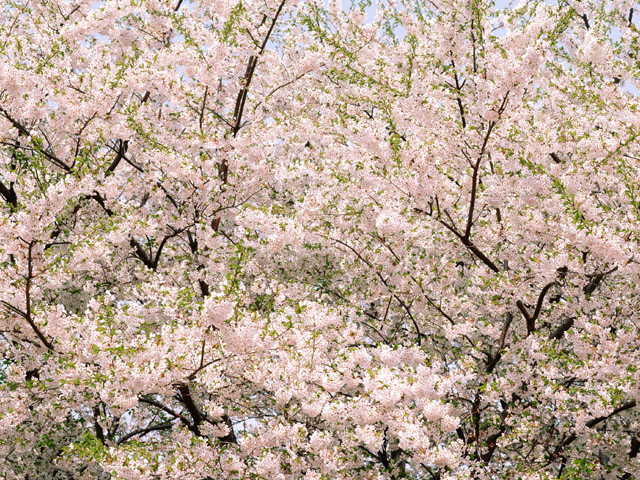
{"points": [[308, 240]]}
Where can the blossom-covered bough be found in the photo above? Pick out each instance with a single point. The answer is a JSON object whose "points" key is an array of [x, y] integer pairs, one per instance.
{"points": [[309, 240]]}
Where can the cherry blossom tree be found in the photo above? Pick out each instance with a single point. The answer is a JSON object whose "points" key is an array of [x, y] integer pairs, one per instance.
{"points": [[295, 239]]}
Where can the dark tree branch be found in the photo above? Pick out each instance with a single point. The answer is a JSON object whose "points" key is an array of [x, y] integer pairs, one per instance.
{"points": [[204, 104], [465, 241], [492, 443], [166, 409], [9, 194], [593, 284], [97, 426], [595, 281], [22, 130], [531, 319], [558, 333], [472, 202], [494, 359], [17, 125], [123, 145], [568, 440], [635, 447], [478, 253], [197, 416], [459, 89], [248, 76], [144, 431], [141, 254], [187, 400], [27, 314]]}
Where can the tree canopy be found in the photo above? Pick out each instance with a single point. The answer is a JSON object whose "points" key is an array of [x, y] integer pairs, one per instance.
{"points": [[298, 239]]}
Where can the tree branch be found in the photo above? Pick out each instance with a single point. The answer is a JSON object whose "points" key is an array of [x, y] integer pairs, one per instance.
{"points": [[27, 314], [9, 194], [592, 423], [164, 408], [562, 328], [595, 281], [531, 319], [144, 431]]}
